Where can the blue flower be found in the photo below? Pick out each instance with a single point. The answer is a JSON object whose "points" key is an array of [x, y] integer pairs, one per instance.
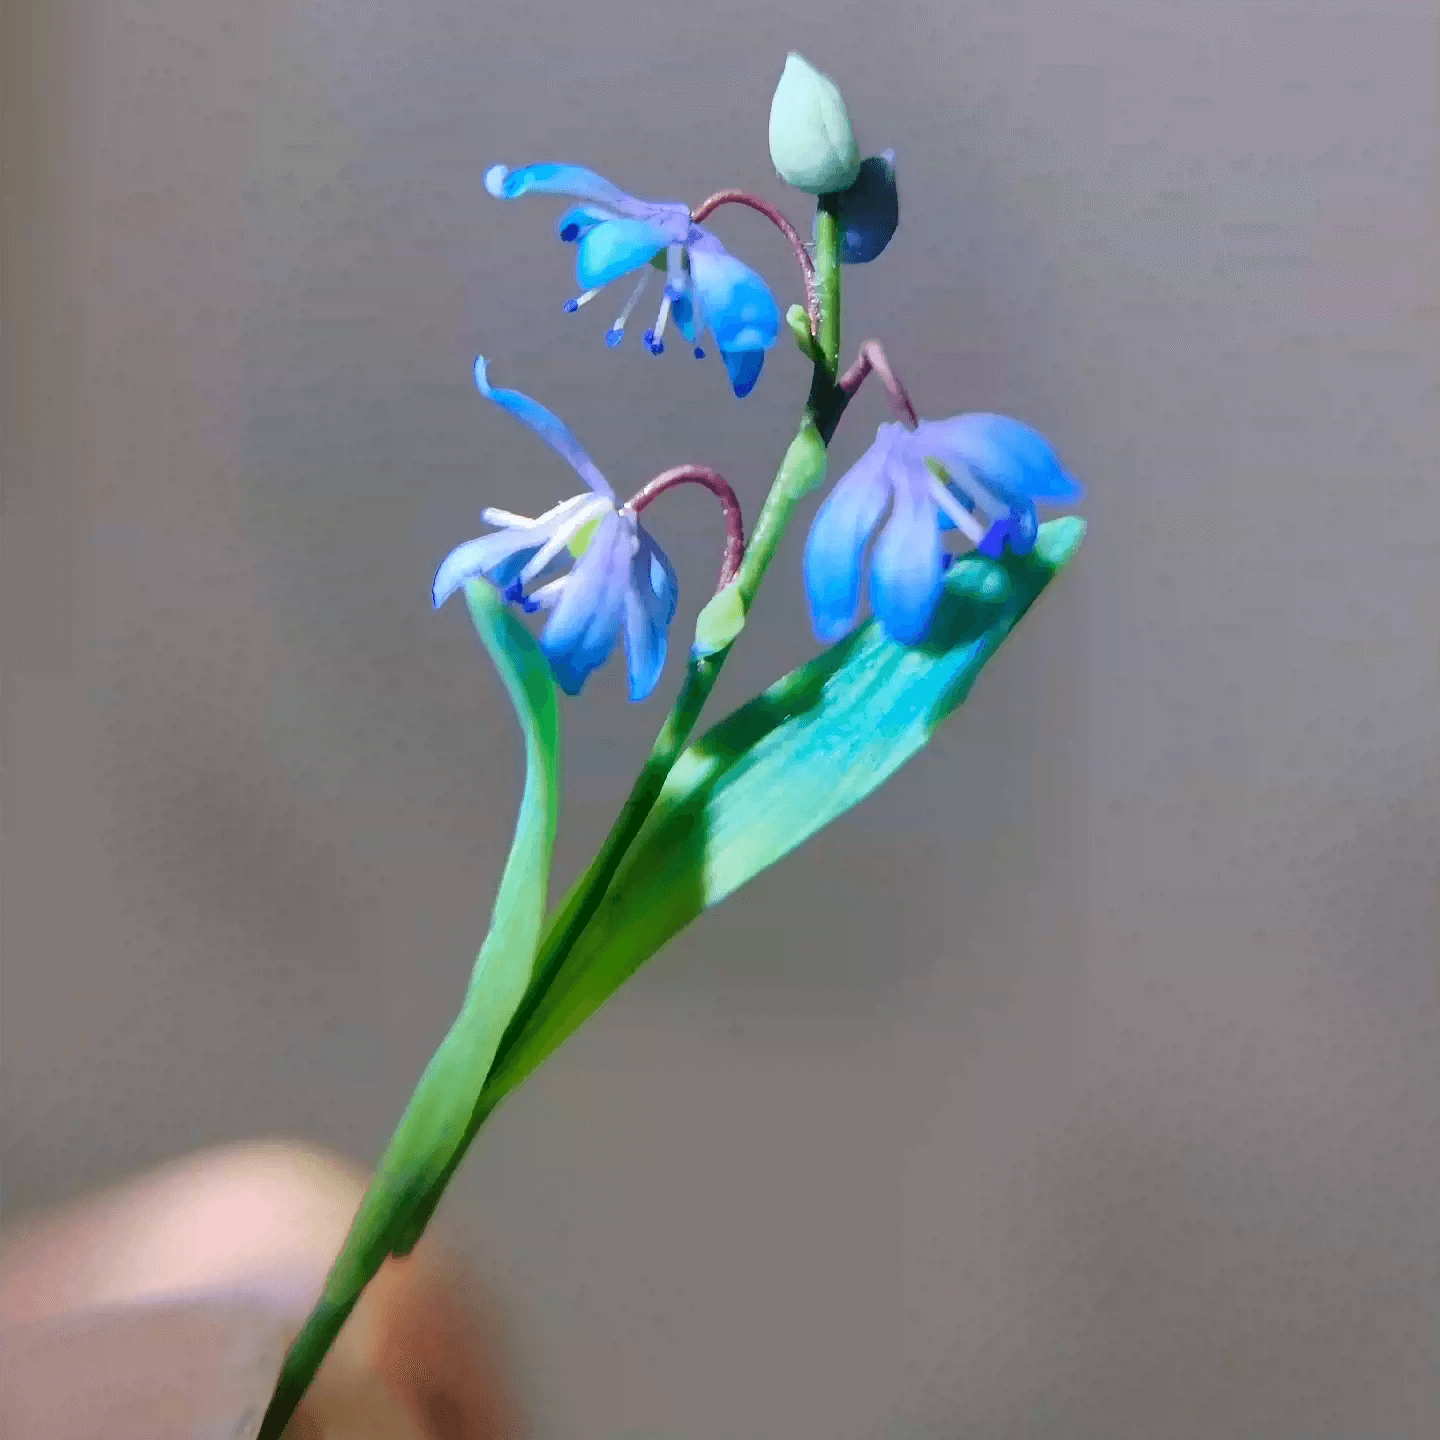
{"points": [[620, 581], [943, 475], [617, 234]]}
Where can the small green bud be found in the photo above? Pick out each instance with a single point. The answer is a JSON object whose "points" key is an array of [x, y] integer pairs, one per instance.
{"points": [[797, 317], [811, 143], [721, 620]]}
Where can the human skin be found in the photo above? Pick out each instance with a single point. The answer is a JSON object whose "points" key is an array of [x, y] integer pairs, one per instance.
{"points": [[162, 1307]]}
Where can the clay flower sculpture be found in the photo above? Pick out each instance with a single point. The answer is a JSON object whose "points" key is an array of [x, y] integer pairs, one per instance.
{"points": [[620, 581], [615, 234], [978, 474], [708, 810]]}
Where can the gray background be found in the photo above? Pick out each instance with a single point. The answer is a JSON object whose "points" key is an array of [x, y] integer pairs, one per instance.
{"points": [[1086, 1081]]}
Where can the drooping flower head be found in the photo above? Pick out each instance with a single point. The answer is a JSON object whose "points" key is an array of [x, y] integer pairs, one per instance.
{"points": [[620, 581], [616, 234], [977, 474]]}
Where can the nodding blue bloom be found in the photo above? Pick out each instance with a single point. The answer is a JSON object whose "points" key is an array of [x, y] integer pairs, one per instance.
{"points": [[943, 475], [620, 581], [617, 234]]}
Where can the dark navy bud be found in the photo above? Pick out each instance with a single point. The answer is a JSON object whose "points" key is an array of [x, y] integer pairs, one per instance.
{"points": [[869, 210]]}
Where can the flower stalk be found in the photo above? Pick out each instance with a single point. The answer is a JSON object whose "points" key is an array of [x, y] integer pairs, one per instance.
{"points": [[777, 218], [719, 487]]}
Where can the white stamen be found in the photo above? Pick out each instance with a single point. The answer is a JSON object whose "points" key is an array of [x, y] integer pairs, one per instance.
{"points": [[587, 296], [633, 301], [657, 342], [965, 522], [572, 525], [506, 521], [675, 268], [549, 592], [995, 506]]}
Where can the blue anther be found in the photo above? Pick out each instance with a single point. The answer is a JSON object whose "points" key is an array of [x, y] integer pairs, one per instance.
{"points": [[655, 347], [946, 561], [571, 306], [569, 232], [614, 337], [514, 592], [699, 353]]}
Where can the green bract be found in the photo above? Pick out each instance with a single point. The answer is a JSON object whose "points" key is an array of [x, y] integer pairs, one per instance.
{"points": [[811, 143]]}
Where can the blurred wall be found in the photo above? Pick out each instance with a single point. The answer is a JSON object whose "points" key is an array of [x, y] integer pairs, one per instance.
{"points": [[1085, 1083]]}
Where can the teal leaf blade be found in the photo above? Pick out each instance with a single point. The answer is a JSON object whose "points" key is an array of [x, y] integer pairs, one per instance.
{"points": [[780, 768], [443, 1113]]}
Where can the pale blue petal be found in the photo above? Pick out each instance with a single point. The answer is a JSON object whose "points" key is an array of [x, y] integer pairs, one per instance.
{"points": [[905, 568], [547, 426], [649, 609], [585, 623], [835, 547], [506, 184], [744, 367], [1008, 457], [579, 220], [615, 248], [498, 558], [737, 304]]}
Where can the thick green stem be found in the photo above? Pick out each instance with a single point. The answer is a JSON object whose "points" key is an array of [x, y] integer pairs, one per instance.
{"points": [[389, 1223]]}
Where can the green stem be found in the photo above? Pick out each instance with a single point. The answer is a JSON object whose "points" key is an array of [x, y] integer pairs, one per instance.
{"points": [[827, 282], [389, 1223]]}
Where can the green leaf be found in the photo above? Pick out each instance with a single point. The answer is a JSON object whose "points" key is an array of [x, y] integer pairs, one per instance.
{"points": [[443, 1113], [437, 1125], [773, 773]]}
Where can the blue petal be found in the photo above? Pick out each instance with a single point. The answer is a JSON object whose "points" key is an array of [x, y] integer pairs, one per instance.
{"points": [[548, 427], [498, 558], [905, 568], [615, 248], [737, 304], [507, 184], [683, 313], [1010, 458], [835, 547], [578, 221], [1024, 528], [585, 623], [649, 609], [744, 367]]}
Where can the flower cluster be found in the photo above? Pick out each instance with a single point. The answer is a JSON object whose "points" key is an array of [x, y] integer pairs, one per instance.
{"points": [[589, 562], [615, 235], [979, 475], [620, 581]]}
